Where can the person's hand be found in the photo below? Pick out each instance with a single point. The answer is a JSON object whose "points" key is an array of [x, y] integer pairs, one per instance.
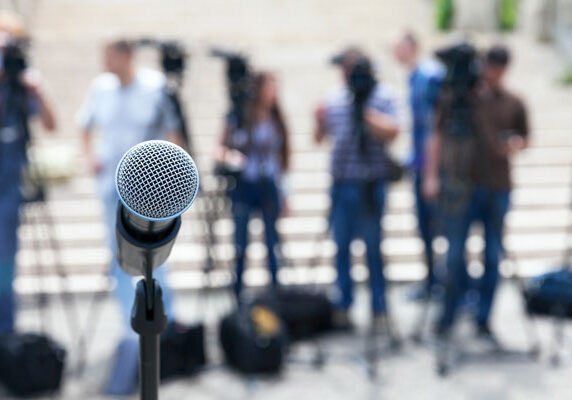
{"points": [[431, 187], [320, 114], [32, 81], [514, 144], [235, 159], [380, 125], [285, 208]]}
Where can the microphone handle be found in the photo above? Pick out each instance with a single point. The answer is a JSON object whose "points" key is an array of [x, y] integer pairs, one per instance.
{"points": [[143, 229]]}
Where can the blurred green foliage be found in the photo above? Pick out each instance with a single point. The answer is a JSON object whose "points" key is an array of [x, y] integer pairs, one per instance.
{"points": [[444, 14], [566, 77], [508, 14]]}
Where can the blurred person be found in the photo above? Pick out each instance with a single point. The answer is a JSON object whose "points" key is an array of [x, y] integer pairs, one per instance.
{"points": [[22, 99], [425, 77], [501, 131], [125, 105], [260, 153], [359, 171]]}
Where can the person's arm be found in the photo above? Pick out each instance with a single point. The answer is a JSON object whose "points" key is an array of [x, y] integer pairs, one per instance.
{"points": [[32, 80], [175, 137], [231, 158], [320, 130], [520, 141], [94, 164], [431, 182], [381, 125], [220, 148], [86, 120], [381, 116], [433, 148]]}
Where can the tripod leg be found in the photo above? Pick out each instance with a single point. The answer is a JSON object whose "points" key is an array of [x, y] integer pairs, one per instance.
{"points": [[555, 358], [66, 297], [33, 221]]}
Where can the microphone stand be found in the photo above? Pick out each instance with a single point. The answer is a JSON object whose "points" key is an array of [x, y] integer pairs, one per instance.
{"points": [[148, 319]]}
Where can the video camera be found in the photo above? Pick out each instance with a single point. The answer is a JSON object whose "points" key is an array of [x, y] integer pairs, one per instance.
{"points": [[463, 74], [361, 83], [14, 60], [240, 81], [173, 55], [173, 59]]}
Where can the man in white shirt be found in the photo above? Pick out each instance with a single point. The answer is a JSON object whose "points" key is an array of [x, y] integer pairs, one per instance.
{"points": [[125, 105]]}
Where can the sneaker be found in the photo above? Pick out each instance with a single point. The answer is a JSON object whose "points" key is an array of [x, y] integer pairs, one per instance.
{"points": [[442, 330], [379, 323], [485, 333], [341, 320]]}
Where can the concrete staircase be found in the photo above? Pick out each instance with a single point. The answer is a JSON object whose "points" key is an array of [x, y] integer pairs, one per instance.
{"points": [[294, 39]]}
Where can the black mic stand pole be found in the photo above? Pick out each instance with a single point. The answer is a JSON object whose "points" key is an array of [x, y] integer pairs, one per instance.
{"points": [[148, 319]]}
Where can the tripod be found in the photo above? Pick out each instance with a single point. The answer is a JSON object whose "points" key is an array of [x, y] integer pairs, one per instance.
{"points": [[213, 206], [35, 214]]}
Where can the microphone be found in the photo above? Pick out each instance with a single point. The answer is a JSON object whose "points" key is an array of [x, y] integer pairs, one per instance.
{"points": [[156, 182]]}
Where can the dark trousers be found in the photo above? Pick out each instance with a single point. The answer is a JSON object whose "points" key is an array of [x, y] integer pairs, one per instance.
{"points": [[357, 212], [426, 223], [12, 159], [10, 202], [247, 198], [490, 207]]}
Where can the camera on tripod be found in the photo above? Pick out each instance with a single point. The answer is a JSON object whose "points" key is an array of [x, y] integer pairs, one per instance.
{"points": [[173, 55], [361, 83], [240, 82], [173, 61], [14, 60], [463, 74]]}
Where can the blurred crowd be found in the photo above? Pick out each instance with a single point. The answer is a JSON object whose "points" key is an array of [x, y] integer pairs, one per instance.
{"points": [[466, 127]]}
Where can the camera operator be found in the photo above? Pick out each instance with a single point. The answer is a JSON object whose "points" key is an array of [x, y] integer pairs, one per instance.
{"points": [[425, 77], [125, 105], [361, 120], [500, 130], [258, 151], [21, 99]]}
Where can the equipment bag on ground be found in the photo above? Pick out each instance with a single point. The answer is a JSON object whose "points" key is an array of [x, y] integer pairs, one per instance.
{"points": [[182, 350], [305, 313], [253, 340], [550, 294], [31, 364], [182, 353]]}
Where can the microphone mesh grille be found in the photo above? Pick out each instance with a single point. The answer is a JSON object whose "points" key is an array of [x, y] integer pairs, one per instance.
{"points": [[157, 179]]}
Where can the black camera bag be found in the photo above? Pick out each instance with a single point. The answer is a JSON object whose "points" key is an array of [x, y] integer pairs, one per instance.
{"points": [[253, 340], [31, 364]]}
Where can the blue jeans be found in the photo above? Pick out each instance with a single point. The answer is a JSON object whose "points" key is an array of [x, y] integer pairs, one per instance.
{"points": [[357, 212], [124, 289], [426, 221], [10, 202], [248, 197], [490, 207]]}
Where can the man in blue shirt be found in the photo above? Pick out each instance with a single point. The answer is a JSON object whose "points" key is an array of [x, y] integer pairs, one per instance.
{"points": [[126, 105], [359, 171], [424, 85]]}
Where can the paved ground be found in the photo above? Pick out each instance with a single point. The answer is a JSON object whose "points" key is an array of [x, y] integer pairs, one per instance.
{"points": [[408, 373], [295, 39]]}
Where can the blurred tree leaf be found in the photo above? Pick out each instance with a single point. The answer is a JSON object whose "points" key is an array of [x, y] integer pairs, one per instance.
{"points": [[508, 13], [444, 14]]}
